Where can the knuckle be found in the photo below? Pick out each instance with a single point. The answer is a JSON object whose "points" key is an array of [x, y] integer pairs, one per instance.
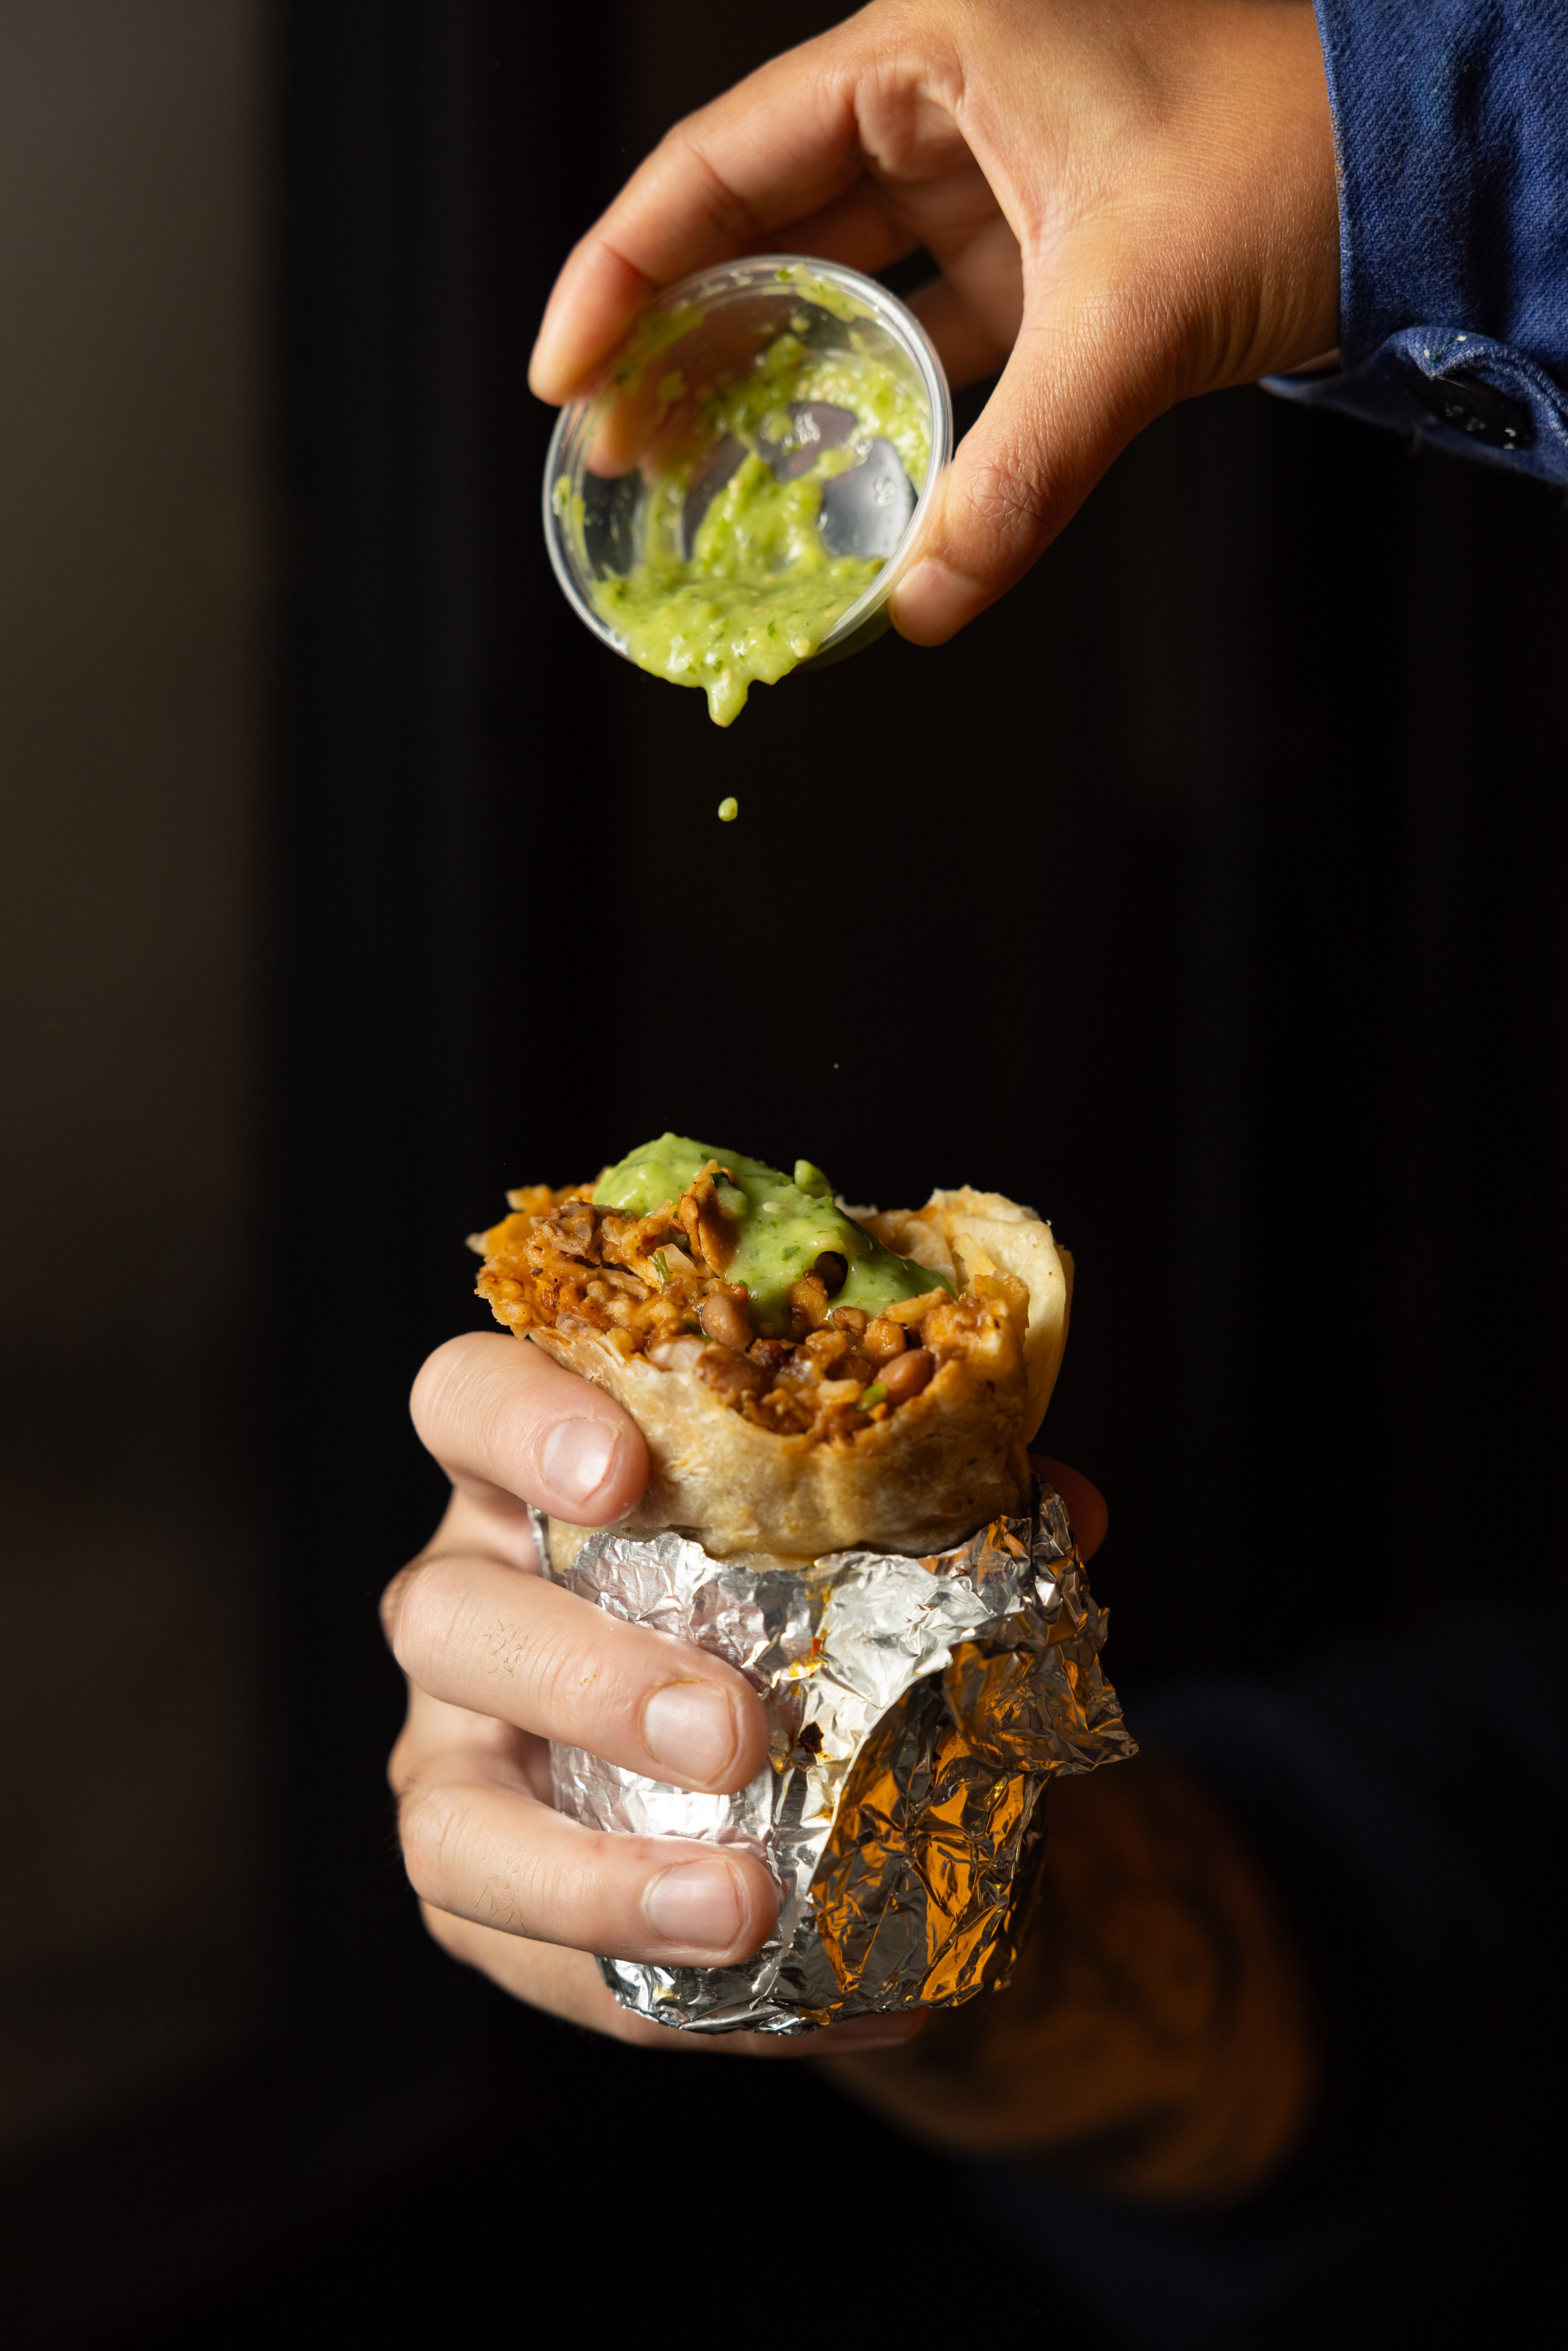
{"points": [[422, 1631], [470, 1396], [451, 1862], [728, 211], [469, 1640], [430, 1397], [570, 1892], [515, 1654], [554, 1666], [505, 1429], [430, 1832], [1004, 501], [575, 1684], [394, 1599]]}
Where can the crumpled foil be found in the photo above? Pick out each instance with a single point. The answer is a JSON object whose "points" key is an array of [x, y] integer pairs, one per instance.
{"points": [[917, 1708]]}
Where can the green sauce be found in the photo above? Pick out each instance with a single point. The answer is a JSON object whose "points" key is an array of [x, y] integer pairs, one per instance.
{"points": [[760, 592], [783, 1226]]}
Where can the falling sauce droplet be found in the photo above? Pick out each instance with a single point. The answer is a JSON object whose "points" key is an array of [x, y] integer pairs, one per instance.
{"points": [[729, 810]]}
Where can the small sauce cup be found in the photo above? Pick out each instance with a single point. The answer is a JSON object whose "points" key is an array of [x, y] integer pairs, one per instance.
{"points": [[642, 416]]}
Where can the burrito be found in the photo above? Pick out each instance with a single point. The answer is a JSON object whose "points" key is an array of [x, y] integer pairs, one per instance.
{"points": [[810, 1377]]}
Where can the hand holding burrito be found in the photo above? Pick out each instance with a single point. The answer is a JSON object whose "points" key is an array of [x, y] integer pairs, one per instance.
{"points": [[842, 1508], [499, 1663]]}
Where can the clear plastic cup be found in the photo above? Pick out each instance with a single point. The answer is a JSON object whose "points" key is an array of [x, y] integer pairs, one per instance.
{"points": [[642, 416]]}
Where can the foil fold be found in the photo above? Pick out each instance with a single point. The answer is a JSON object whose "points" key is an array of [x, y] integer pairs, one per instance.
{"points": [[917, 1709]]}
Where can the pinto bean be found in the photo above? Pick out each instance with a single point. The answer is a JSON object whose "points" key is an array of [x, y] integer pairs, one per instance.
{"points": [[907, 1374], [724, 1317]]}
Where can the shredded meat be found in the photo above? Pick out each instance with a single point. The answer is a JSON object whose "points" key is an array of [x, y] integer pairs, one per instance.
{"points": [[708, 1229], [656, 1285]]}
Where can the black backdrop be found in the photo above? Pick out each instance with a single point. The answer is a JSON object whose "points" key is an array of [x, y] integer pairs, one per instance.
{"points": [[1223, 860]]}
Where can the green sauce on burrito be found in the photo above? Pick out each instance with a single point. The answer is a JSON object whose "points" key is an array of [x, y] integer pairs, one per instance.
{"points": [[783, 1224]]}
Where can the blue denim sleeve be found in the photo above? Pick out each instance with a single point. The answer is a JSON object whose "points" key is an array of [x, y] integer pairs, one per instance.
{"points": [[1451, 131]]}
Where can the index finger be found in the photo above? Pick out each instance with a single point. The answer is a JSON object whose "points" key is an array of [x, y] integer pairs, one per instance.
{"points": [[510, 1427], [781, 144]]}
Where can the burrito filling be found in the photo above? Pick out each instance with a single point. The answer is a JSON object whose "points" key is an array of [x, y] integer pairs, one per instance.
{"points": [[708, 1261]]}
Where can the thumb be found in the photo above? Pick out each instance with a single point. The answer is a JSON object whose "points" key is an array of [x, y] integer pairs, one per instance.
{"points": [[1077, 387]]}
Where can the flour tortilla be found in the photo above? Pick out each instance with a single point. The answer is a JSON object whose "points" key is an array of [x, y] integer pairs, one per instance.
{"points": [[965, 1233]]}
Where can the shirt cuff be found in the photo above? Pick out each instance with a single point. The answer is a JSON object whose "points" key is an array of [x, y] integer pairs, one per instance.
{"points": [[1459, 390], [1450, 122]]}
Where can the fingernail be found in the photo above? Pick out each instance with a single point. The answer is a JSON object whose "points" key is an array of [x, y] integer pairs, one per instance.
{"points": [[932, 603], [689, 1727], [576, 1459], [698, 1902]]}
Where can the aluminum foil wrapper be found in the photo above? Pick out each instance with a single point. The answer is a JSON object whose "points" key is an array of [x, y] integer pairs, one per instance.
{"points": [[917, 1708]]}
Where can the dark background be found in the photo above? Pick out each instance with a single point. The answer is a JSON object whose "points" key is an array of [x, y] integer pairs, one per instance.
{"points": [[1223, 861]]}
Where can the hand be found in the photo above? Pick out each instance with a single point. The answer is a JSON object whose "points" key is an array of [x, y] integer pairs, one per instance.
{"points": [[1130, 201], [499, 1662]]}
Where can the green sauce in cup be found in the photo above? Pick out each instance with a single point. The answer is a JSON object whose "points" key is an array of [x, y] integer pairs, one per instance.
{"points": [[750, 589]]}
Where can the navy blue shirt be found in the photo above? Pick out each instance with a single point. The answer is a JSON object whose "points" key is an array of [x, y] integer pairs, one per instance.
{"points": [[1451, 134]]}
